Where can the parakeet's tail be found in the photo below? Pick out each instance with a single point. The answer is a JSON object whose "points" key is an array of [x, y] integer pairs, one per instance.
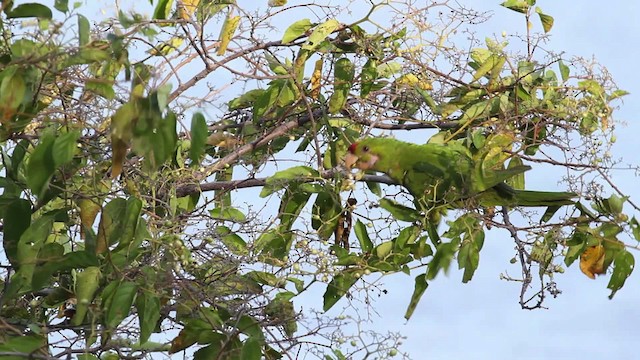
{"points": [[543, 198], [504, 195]]}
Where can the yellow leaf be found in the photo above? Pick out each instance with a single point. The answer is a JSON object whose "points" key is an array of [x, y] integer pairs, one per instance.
{"points": [[122, 123], [167, 47], [226, 33], [411, 80], [315, 79], [592, 261], [223, 140], [89, 209], [186, 8], [277, 3]]}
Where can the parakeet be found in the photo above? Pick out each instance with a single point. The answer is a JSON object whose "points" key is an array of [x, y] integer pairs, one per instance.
{"points": [[446, 175]]}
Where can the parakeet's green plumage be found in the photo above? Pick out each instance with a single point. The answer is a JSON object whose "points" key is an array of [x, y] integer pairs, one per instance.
{"points": [[447, 175]]}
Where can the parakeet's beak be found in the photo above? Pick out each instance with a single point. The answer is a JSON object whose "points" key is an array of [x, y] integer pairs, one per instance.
{"points": [[350, 160], [365, 162]]}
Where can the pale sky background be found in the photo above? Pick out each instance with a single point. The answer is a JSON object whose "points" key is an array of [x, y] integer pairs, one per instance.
{"points": [[482, 319]]}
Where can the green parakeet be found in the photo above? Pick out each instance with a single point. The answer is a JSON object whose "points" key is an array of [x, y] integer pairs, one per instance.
{"points": [[446, 175]]}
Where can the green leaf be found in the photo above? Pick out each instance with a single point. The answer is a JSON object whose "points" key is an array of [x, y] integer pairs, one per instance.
{"points": [[296, 30], [363, 236], [282, 178], [475, 111], [400, 212], [564, 70], [84, 35], [235, 244], [418, 290], [87, 357], [493, 64], [383, 250], [623, 267], [61, 5], [516, 181], [368, 75], [101, 87], [635, 228], [24, 345], [469, 253], [546, 20], [228, 213], [162, 10], [615, 204], [199, 133], [374, 187], [442, 258], [30, 10], [326, 211], [406, 237], [17, 219], [12, 91], [521, 6], [320, 33], [87, 282], [265, 278], [128, 223], [27, 254], [246, 100], [251, 349], [64, 148], [388, 69], [337, 288], [616, 94], [577, 244], [478, 138], [342, 83], [148, 309], [120, 303]]}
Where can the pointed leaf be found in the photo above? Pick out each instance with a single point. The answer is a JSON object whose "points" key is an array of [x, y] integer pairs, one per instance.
{"points": [[148, 309], [30, 10], [199, 134], [87, 282], [61, 5], [120, 303], [251, 349], [226, 33], [228, 213], [516, 181], [546, 20], [623, 264], [84, 36], [521, 6], [64, 148], [418, 290], [320, 33], [564, 70], [363, 236], [400, 212], [337, 288], [162, 10], [296, 30], [41, 165]]}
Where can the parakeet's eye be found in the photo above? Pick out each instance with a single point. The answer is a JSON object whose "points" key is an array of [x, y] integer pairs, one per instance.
{"points": [[365, 148]]}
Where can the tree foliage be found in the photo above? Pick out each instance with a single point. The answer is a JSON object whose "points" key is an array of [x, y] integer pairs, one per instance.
{"points": [[173, 178]]}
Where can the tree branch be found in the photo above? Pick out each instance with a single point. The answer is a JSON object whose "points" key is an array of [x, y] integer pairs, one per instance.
{"points": [[189, 189]]}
